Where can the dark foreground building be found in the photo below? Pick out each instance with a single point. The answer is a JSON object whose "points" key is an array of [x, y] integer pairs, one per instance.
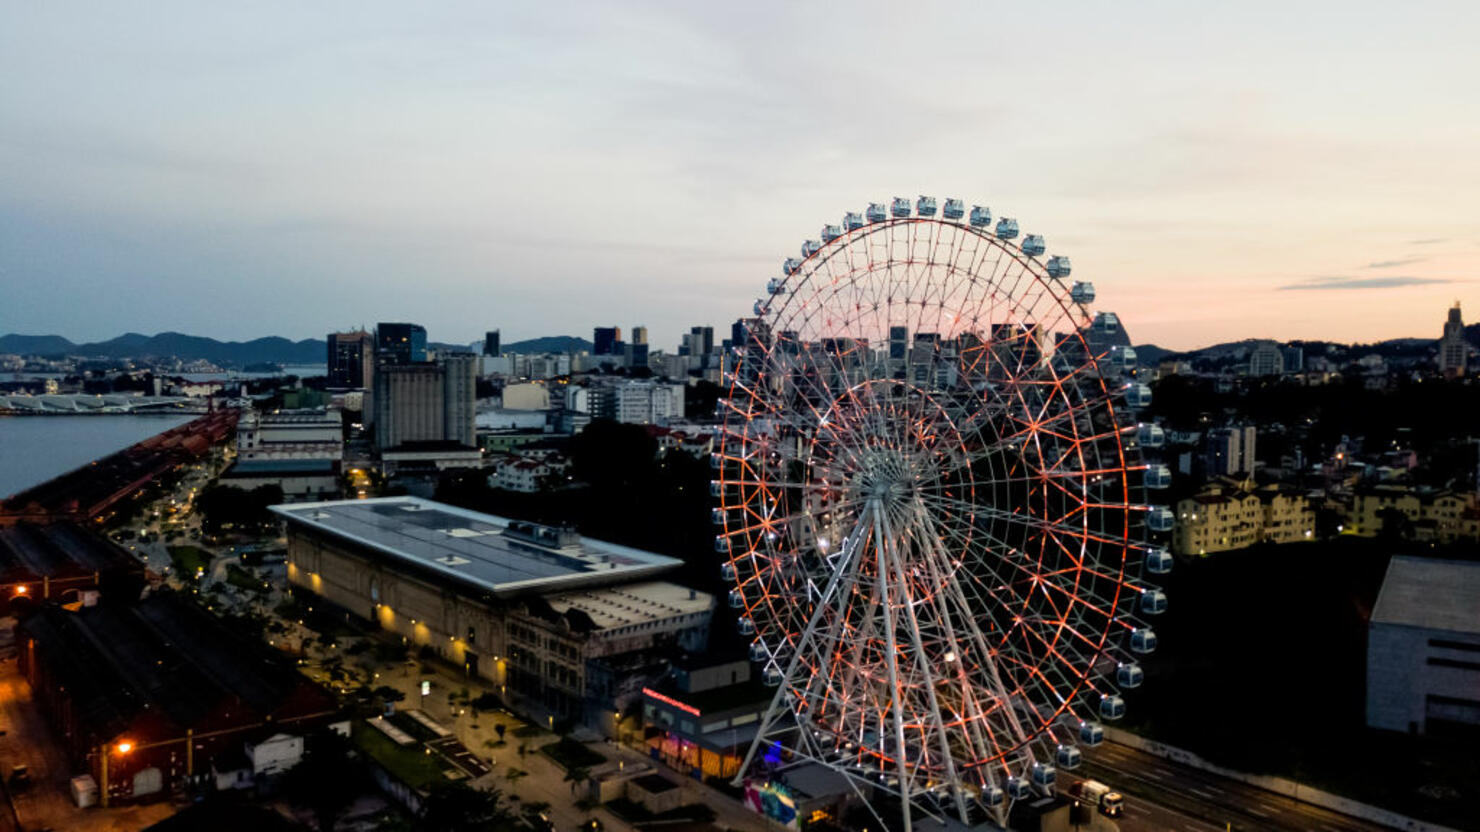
{"points": [[156, 695], [62, 563]]}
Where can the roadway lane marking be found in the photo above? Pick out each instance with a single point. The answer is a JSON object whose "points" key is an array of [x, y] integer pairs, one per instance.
{"points": [[1202, 792]]}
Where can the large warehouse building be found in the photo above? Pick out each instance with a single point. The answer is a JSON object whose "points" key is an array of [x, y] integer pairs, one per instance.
{"points": [[1423, 648], [567, 623]]}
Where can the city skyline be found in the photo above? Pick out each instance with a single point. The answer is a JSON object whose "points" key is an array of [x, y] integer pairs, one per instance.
{"points": [[1227, 173]]}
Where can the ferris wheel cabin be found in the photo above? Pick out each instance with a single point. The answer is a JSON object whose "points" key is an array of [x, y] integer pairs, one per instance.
{"points": [[852, 221], [925, 206], [900, 207], [791, 266], [831, 232], [1033, 245], [1112, 707], [1129, 675], [1158, 561], [1007, 228], [1143, 640], [810, 248], [980, 217], [1067, 756], [1058, 266], [1160, 519], [877, 212], [1083, 293], [954, 209], [1151, 436], [1153, 602], [1091, 733], [1158, 476]]}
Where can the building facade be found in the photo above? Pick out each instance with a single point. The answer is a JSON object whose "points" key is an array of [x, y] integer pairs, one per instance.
{"points": [[399, 343], [1423, 648], [541, 612], [351, 359], [1454, 352]]}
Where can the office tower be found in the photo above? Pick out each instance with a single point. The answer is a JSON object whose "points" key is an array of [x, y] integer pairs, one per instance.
{"points": [[605, 340], [491, 343], [639, 335], [400, 343], [351, 359], [899, 343], [1453, 351], [705, 340], [637, 354], [1294, 359]]}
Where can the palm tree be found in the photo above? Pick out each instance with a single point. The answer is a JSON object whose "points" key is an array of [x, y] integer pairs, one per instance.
{"points": [[575, 776]]}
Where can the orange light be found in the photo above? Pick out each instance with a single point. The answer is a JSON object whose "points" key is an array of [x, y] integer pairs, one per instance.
{"points": [[20, 590], [125, 747]]}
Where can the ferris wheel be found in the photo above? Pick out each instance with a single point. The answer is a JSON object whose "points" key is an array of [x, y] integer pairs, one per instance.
{"points": [[930, 502]]}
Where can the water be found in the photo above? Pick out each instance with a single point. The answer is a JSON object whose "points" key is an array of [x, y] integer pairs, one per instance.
{"points": [[33, 449], [300, 370]]}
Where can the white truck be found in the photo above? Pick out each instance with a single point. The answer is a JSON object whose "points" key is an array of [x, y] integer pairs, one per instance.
{"points": [[1097, 794]]}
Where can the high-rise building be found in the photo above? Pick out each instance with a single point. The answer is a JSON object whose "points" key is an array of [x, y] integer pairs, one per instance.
{"points": [[1454, 353], [604, 340], [1230, 451], [1294, 359], [460, 398], [400, 343], [1266, 359], [426, 402], [408, 404], [491, 343], [351, 359], [639, 335]]}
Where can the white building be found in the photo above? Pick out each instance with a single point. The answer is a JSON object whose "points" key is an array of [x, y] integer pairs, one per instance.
{"points": [[530, 396], [291, 434], [1423, 648], [648, 402], [1267, 359]]}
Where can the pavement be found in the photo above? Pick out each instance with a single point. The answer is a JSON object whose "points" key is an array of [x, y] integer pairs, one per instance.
{"points": [[1163, 795], [48, 804]]}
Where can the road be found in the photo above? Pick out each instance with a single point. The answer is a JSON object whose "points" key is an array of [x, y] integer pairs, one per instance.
{"points": [[1162, 795]]}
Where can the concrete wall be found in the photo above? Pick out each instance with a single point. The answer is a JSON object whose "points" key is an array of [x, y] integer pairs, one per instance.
{"points": [[1278, 785], [1400, 677]]}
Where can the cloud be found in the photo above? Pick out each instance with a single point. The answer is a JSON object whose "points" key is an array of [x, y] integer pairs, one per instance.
{"points": [[1388, 264], [1362, 282], [1428, 242]]}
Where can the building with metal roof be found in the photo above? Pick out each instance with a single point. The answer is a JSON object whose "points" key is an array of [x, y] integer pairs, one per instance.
{"points": [[542, 612], [1423, 647], [146, 694]]}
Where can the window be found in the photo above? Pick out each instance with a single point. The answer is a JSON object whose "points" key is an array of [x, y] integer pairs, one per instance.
{"points": [[1448, 644], [1457, 663]]}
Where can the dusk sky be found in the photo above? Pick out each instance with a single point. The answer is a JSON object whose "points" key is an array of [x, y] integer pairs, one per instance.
{"points": [[1220, 171]]}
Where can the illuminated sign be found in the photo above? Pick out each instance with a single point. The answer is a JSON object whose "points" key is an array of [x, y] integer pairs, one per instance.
{"points": [[772, 800], [668, 700]]}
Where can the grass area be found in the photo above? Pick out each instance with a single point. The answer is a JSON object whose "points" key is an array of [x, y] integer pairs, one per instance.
{"points": [[189, 559], [411, 765], [635, 813], [569, 754], [241, 578]]}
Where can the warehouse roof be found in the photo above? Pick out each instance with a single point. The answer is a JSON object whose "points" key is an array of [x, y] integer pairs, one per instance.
{"points": [[1430, 593], [485, 551], [632, 605]]}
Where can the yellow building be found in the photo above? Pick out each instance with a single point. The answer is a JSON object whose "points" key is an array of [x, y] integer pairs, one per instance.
{"points": [[1231, 513], [1364, 518], [1288, 515], [1224, 515]]}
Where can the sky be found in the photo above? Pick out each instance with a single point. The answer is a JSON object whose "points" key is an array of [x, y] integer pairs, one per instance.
{"points": [[1219, 171]]}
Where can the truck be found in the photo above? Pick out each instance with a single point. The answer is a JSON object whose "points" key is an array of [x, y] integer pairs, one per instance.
{"points": [[1110, 803]]}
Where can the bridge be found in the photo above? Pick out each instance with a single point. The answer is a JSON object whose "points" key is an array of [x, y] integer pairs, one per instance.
{"points": [[61, 403]]}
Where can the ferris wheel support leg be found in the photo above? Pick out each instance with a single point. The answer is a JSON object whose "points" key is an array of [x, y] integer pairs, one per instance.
{"points": [[945, 748], [777, 701], [884, 545]]}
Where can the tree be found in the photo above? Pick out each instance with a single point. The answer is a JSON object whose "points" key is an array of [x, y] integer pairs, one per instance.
{"points": [[576, 776], [458, 807], [326, 780]]}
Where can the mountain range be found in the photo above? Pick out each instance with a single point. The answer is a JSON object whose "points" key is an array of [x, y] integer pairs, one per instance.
{"points": [[232, 354], [275, 350]]}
